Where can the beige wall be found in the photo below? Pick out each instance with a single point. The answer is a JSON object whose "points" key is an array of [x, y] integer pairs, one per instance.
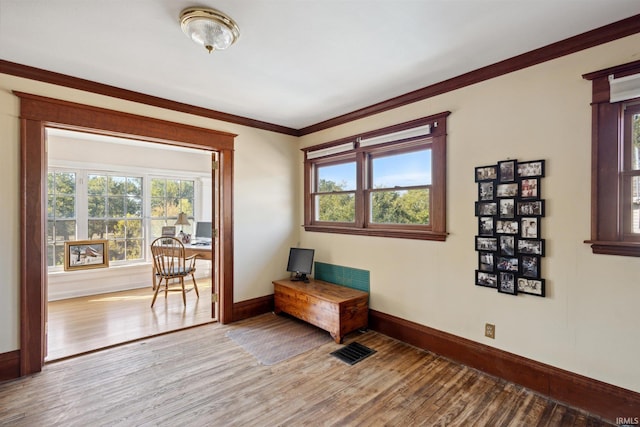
{"points": [[265, 215], [587, 322]]}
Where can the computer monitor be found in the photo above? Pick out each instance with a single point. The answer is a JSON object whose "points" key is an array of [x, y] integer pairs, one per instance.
{"points": [[203, 231], [300, 263]]}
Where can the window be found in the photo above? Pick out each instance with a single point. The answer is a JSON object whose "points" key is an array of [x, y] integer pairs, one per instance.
{"points": [[61, 214], [115, 213], [615, 193], [400, 198], [387, 183], [335, 192], [631, 173], [98, 205], [169, 197]]}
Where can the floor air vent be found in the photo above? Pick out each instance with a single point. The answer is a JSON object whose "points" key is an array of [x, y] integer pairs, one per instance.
{"points": [[353, 353]]}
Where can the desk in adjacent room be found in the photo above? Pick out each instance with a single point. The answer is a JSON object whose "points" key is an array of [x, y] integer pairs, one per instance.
{"points": [[203, 252]]}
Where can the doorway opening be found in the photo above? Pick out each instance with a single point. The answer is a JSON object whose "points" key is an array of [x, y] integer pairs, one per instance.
{"points": [[124, 192], [38, 113]]}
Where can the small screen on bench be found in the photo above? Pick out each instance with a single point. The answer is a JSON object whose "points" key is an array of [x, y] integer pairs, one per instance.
{"points": [[300, 263]]}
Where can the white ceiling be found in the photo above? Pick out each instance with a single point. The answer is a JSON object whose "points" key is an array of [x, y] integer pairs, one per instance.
{"points": [[297, 62]]}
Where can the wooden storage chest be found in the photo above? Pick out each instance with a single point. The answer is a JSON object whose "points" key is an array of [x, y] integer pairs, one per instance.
{"points": [[334, 308]]}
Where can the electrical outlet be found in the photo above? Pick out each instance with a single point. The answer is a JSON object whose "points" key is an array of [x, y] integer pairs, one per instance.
{"points": [[490, 330]]}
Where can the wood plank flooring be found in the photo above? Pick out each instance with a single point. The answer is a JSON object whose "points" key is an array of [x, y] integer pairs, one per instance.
{"points": [[200, 377], [79, 325]]}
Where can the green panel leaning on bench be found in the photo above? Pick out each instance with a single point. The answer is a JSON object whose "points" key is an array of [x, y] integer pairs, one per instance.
{"points": [[346, 276]]}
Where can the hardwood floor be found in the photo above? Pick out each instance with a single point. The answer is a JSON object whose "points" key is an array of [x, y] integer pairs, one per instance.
{"points": [[200, 377], [79, 325]]}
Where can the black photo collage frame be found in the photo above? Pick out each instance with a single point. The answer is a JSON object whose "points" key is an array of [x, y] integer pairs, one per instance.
{"points": [[509, 242]]}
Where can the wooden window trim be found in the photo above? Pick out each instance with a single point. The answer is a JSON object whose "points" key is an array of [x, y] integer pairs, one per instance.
{"points": [[607, 227], [437, 141]]}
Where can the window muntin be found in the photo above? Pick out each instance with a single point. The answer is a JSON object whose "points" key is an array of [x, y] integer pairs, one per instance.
{"points": [[334, 192], [61, 214], [414, 156], [400, 187], [101, 205], [170, 197], [114, 212]]}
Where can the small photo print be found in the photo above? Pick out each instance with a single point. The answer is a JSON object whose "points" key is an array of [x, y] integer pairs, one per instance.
{"points": [[531, 208], [507, 190], [490, 280], [486, 244], [486, 262], [169, 231], [486, 208], [534, 168], [507, 284], [530, 266], [531, 247], [507, 170], [507, 208], [529, 188], [507, 245], [529, 227], [507, 264], [486, 226], [531, 286], [506, 227], [486, 173], [486, 190]]}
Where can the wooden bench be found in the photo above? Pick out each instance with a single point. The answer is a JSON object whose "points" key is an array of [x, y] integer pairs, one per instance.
{"points": [[334, 308]]}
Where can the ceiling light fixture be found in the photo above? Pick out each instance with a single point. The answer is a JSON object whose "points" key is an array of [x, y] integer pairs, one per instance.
{"points": [[209, 28]]}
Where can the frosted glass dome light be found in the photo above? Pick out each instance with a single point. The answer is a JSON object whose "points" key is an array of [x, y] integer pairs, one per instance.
{"points": [[209, 28]]}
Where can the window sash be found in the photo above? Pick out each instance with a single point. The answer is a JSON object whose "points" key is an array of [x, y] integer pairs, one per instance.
{"points": [[173, 201], [61, 226], [611, 207], [407, 190]]}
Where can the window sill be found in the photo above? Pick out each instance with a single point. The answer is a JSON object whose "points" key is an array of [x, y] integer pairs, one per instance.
{"points": [[614, 247], [379, 232]]}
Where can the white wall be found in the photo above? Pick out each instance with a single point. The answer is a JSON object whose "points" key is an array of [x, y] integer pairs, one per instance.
{"points": [[587, 322], [265, 214]]}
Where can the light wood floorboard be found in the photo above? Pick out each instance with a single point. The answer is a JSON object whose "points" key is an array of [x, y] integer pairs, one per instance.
{"points": [[200, 377], [79, 325]]}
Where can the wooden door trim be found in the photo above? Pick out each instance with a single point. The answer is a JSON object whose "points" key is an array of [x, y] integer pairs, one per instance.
{"points": [[37, 113]]}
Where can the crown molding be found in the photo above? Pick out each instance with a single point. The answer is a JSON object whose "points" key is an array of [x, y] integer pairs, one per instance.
{"points": [[45, 76], [604, 34]]}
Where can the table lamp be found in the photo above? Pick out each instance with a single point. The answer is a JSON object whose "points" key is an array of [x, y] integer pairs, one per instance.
{"points": [[182, 220]]}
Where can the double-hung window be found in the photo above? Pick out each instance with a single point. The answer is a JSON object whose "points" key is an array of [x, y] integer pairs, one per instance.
{"points": [[115, 213], [61, 213], [615, 192], [631, 173], [169, 198], [334, 192], [388, 183]]}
